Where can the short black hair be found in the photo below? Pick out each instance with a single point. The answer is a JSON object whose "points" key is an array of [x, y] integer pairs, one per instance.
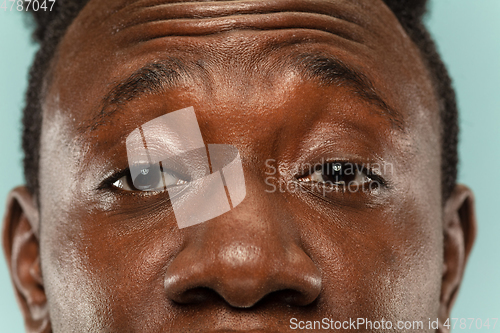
{"points": [[50, 27]]}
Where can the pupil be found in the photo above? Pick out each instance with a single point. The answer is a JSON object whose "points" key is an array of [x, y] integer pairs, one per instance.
{"points": [[148, 178], [337, 173], [332, 173]]}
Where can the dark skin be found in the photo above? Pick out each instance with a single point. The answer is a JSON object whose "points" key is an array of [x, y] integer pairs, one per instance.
{"points": [[95, 258]]}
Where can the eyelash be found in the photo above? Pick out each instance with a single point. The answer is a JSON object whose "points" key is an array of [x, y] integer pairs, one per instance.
{"points": [[162, 179], [312, 172], [108, 185], [343, 169]]}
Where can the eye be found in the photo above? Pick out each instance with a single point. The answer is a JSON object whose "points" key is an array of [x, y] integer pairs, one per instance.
{"points": [[340, 175], [151, 178]]}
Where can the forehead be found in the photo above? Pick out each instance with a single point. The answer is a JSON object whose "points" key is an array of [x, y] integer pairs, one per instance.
{"points": [[235, 47]]}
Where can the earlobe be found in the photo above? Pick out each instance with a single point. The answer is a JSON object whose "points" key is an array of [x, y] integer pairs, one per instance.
{"points": [[20, 240], [459, 227]]}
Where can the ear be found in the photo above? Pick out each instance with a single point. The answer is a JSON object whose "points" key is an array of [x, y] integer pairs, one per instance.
{"points": [[459, 233], [21, 247]]}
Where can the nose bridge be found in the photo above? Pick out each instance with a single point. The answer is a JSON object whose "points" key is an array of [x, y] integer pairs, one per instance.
{"points": [[248, 239], [260, 221], [244, 255]]}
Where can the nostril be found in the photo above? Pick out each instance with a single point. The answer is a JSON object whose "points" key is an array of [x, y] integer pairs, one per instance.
{"points": [[203, 295], [289, 297], [243, 288], [242, 274], [185, 287], [196, 296]]}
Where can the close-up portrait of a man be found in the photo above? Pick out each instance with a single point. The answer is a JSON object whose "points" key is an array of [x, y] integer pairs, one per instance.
{"points": [[238, 166]]}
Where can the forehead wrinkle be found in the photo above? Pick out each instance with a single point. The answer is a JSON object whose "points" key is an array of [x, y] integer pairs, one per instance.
{"points": [[159, 76], [252, 22], [153, 10], [116, 97], [140, 22]]}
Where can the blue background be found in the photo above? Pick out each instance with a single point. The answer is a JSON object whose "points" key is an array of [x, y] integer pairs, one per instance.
{"points": [[468, 36]]}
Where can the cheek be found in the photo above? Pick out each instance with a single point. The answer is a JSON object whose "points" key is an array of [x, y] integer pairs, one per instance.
{"points": [[107, 269], [65, 274], [378, 263], [74, 297], [99, 271]]}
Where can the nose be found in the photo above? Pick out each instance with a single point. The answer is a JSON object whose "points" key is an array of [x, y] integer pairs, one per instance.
{"points": [[243, 256]]}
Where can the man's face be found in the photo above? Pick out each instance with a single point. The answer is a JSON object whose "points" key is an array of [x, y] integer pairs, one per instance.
{"points": [[288, 83]]}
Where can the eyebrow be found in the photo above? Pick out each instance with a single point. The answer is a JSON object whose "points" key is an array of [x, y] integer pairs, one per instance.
{"points": [[332, 71], [152, 78], [159, 76]]}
